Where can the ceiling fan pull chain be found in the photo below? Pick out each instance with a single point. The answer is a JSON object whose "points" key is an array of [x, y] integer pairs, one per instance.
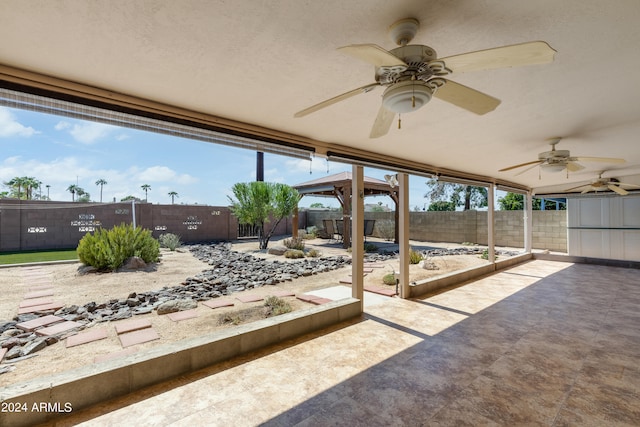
{"points": [[399, 122]]}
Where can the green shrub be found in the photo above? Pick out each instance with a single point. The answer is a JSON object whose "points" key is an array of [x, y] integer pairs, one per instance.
{"points": [[294, 243], [294, 253], [415, 256], [314, 253], [170, 241], [108, 249], [309, 234], [277, 306], [389, 279], [370, 247]]}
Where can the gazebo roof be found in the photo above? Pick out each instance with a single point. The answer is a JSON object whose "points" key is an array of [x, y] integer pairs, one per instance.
{"points": [[327, 186]]}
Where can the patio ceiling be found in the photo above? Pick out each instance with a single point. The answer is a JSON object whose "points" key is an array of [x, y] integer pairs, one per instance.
{"points": [[260, 62]]}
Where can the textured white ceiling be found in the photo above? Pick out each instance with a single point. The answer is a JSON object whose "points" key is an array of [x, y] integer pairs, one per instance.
{"points": [[261, 61]]}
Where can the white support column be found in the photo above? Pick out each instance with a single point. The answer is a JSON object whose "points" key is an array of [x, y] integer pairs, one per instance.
{"points": [[528, 222], [403, 231], [357, 235], [491, 238]]}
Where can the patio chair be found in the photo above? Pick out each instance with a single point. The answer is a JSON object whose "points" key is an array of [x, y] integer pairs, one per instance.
{"points": [[340, 229], [329, 229], [368, 227]]}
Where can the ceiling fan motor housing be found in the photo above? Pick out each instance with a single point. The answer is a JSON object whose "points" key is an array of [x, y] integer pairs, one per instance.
{"points": [[407, 96], [417, 58]]}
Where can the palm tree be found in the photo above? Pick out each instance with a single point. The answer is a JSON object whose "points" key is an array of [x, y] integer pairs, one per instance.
{"points": [[101, 182], [146, 188], [30, 183], [73, 189], [172, 194], [17, 183]]}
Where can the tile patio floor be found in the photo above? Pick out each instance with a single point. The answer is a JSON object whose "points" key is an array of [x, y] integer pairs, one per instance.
{"points": [[543, 343]]}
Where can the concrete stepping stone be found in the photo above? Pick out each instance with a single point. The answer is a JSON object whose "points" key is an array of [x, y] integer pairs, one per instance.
{"points": [[30, 325], [44, 307], [281, 294], [86, 337], [114, 355], [39, 294], [249, 298], [138, 337], [182, 315], [58, 327], [218, 303], [346, 281], [380, 291], [132, 325], [313, 299], [40, 288], [35, 301]]}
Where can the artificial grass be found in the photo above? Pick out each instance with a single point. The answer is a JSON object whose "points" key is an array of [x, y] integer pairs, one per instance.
{"points": [[37, 256]]}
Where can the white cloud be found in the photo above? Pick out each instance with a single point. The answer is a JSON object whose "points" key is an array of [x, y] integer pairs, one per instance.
{"points": [[164, 174], [62, 125], [88, 133], [9, 126]]}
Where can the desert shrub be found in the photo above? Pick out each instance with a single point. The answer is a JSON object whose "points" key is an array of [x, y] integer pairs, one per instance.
{"points": [[314, 253], [415, 256], [277, 306], [294, 253], [310, 233], [294, 243], [170, 241], [108, 249], [389, 279], [370, 247]]}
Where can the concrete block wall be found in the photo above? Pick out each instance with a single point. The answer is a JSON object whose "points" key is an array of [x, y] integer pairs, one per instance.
{"points": [[549, 227], [37, 225]]}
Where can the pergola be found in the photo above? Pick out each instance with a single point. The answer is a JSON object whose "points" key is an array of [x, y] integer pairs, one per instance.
{"points": [[339, 186]]}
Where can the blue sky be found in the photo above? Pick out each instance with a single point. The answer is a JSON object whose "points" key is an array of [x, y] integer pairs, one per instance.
{"points": [[60, 152]]}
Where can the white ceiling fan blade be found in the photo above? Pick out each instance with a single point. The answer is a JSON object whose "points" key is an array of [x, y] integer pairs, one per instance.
{"points": [[537, 162], [335, 99], [579, 186], [516, 55], [574, 167], [373, 54], [598, 159], [467, 98], [383, 122], [617, 189]]}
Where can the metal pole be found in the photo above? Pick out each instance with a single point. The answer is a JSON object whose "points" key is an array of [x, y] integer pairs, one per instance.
{"points": [[133, 212]]}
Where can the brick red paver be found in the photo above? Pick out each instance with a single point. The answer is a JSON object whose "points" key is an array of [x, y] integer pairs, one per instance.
{"points": [[249, 298], [86, 337], [39, 294], [217, 303], [36, 301], [313, 299], [283, 294], [182, 315], [380, 291], [30, 325], [346, 280], [132, 325], [114, 355], [138, 337], [43, 307], [58, 327]]}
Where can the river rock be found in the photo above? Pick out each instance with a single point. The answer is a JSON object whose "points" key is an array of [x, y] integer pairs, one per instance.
{"points": [[176, 305]]}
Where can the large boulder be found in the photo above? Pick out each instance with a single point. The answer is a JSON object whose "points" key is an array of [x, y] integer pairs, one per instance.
{"points": [[176, 305], [277, 250]]}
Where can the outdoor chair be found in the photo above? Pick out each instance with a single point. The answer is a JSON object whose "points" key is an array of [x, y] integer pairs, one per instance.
{"points": [[329, 229], [369, 224], [340, 229]]}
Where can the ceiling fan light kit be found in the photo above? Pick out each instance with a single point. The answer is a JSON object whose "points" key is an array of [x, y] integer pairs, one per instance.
{"points": [[413, 74]]}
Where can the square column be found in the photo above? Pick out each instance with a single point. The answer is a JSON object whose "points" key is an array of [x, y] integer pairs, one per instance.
{"points": [[491, 238], [357, 234], [403, 233]]}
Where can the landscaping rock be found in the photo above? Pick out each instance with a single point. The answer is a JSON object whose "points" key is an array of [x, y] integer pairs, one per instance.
{"points": [[277, 250], [34, 346], [133, 264], [176, 305]]}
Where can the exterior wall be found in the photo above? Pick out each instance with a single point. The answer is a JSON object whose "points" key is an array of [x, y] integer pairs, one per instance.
{"points": [[549, 227], [36, 225]]}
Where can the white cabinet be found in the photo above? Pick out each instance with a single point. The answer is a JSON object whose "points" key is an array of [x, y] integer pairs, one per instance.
{"points": [[604, 227]]}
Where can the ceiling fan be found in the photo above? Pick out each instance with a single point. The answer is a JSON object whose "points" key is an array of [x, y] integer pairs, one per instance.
{"points": [[559, 160], [412, 74], [601, 184]]}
